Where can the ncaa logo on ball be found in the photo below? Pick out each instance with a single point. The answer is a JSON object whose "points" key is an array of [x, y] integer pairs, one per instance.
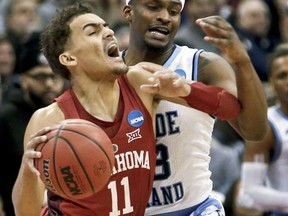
{"points": [[70, 181], [135, 118]]}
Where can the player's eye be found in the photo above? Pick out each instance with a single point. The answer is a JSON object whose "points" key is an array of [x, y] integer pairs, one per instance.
{"points": [[152, 7], [174, 12], [92, 33]]}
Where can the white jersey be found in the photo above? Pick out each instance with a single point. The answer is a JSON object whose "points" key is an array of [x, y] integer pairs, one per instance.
{"points": [[278, 168], [182, 176]]}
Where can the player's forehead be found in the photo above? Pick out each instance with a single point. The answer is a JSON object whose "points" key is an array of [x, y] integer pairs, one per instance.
{"points": [[163, 1], [84, 20]]}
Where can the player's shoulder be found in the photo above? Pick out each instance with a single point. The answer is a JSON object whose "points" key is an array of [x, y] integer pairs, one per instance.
{"points": [[212, 66], [206, 57], [42, 118], [48, 115]]}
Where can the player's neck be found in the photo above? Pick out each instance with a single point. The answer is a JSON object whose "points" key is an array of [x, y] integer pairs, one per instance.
{"points": [[102, 102]]}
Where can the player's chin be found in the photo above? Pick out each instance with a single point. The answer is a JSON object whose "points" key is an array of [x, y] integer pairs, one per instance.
{"points": [[121, 70], [157, 45], [118, 65]]}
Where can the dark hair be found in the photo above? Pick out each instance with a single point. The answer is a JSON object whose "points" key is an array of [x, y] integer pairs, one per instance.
{"points": [[280, 51], [56, 35]]}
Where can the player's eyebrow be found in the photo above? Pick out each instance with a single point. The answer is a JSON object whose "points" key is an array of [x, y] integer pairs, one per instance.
{"points": [[96, 25]]}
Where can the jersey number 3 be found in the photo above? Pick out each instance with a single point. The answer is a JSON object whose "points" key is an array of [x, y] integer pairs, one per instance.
{"points": [[163, 162]]}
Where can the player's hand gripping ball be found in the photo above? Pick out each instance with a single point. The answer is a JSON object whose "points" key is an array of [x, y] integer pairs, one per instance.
{"points": [[77, 160]]}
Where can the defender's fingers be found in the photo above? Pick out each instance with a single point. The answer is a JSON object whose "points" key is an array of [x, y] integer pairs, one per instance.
{"points": [[215, 28], [150, 88], [218, 41]]}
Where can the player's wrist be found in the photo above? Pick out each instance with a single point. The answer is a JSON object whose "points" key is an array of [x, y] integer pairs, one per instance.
{"points": [[242, 61], [213, 100]]}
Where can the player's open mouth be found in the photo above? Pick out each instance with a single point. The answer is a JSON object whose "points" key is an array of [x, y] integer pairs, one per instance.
{"points": [[113, 51], [159, 30]]}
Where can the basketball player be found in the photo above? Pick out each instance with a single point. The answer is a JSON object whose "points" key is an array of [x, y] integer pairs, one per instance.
{"points": [[264, 184], [80, 46], [182, 184]]}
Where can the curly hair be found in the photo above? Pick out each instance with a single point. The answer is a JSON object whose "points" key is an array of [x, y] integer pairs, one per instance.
{"points": [[56, 35]]}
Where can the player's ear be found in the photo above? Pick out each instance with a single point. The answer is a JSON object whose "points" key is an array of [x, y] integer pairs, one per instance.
{"points": [[127, 12], [67, 59]]}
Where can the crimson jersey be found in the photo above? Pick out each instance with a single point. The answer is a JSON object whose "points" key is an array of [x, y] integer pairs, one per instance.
{"points": [[132, 135]]}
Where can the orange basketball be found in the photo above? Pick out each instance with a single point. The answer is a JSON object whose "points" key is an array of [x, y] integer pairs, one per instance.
{"points": [[77, 160]]}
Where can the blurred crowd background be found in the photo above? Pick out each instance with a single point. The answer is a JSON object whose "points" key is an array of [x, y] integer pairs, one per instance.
{"points": [[25, 80]]}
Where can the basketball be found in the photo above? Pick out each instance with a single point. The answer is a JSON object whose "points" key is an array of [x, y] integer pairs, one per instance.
{"points": [[77, 160]]}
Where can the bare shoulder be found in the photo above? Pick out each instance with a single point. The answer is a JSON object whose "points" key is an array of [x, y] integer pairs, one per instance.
{"points": [[209, 57], [44, 117], [49, 114], [213, 69], [208, 60]]}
